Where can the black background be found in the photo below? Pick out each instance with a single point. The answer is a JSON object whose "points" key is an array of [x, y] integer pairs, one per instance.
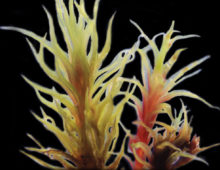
{"points": [[153, 16]]}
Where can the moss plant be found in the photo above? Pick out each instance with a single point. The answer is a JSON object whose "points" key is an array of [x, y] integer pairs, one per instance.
{"points": [[90, 117]]}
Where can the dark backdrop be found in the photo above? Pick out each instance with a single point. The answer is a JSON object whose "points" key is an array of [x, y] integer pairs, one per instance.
{"points": [[153, 16]]}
